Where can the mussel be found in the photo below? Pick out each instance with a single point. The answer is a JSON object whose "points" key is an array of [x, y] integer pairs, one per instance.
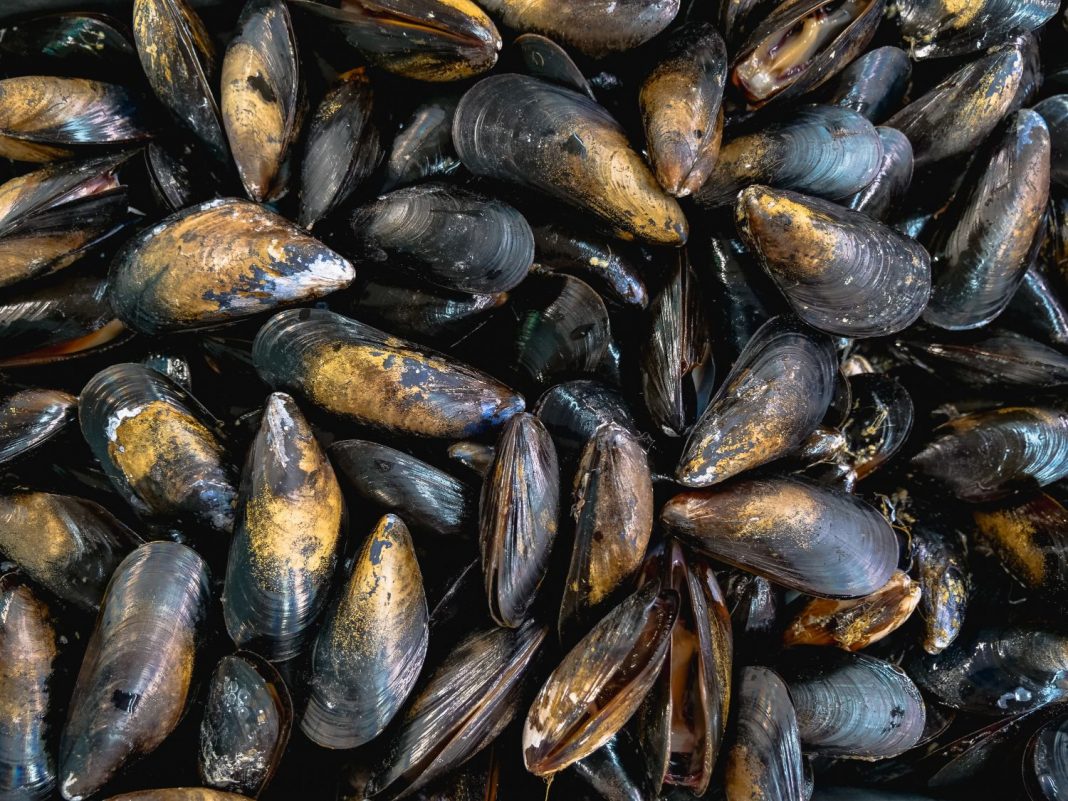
{"points": [[884, 194], [874, 83], [942, 575], [423, 313], [605, 264], [1054, 111], [993, 358], [939, 28], [1027, 538], [423, 147], [32, 418]]}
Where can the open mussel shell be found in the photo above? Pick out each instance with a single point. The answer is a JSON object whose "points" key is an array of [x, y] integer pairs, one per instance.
{"points": [[285, 544], [342, 148], [581, 156], [775, 395], [600, 683], [939, 28], [427, 498], [574, 410], [988, 455], [158, 446], [841, 271], [423, 147], [996, 670], [260, 96], [32, 418], [424, 313], [245, 728], [954, 117], [218, 262], [1045, 763], [827, 151], [518, 516], [28, 647], [941, 572], [676, 358], [178, 57], [882, 197], [135, 677], [464, 704], [764, 763], [620, 24], [818, 541], [1054, 111], [75, 547], [602, 263], [996, 358], [371, 645], [75, 44], [1029, 538], [801, 45], [680, 105], [45, 118], [358, 372], [879, 422], [874, 83], [612, 517], [544, 58], [428, 40], [852, 704], [51, 217], [987, 239], [447, 236]]}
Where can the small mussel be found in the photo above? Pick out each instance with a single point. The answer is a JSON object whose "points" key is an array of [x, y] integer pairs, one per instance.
{"points": [[245, 728], [988, 455], [841, 271], [159, 447], [371, 646], [580, 157], [447, 236], [464, 704], [544, 58], [993, 358], [260, 98], [939, 28], [879, 421], [818, 541], [28, 647], [600, 683], [777, 392], [32, 418], [764, 763], [518, 517], [941, 572], [423, 147], [135, 677], [217, 262], [75, 44], [424, 313], [873, 84], [75, 546], [881, 197], [852, 704], [605, 264], [285, 544], [355, 371], [1029, 540], [574, 410]]}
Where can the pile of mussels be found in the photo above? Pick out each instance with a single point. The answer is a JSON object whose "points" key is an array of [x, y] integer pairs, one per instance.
{"points": [[526, 399]]}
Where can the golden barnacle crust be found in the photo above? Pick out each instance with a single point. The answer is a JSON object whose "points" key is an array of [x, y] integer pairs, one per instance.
{"points": [[1028, 539], [813, 240], [28, 645], [857, 623], [53, 541], [254, 120]]}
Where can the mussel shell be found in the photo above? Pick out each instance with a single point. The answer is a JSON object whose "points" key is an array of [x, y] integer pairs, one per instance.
{"points": [[879, 422], [475, 456], [355, 371], [741, 296], [818, 541], [544, 58], [881, 197], [841, 271], [1054, 111], [428, 499], [135, 677], [620, 24], [941, 572], [75, 547], [342, 149], [1045, 764], [988, 455], [987, 241], [604, 264], [612, 516], [28, 647], [776, 393], [1036, 310], [157, 445], [245, 728], [680, 104], [217, 262], [996, 670], [1029, 540], [423, 313], [459, 709], [617, 770], [574, 410], [518, 517], [580, 157], [852, 704], [995, 358], [874, 83], [600, 683], [286, 540], [423, 147], [31, 418], [447, 236], [371, 646], [179, 794], [75, 44], [827, 151], [765, 760], [179, 175], [939, 28], [178, 57], [260, 96]]}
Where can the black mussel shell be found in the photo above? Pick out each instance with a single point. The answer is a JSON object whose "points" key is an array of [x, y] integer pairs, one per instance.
{"points": [[1037, 311], [1045, 765], [74, 44], [574, 410], [939, 28], [879, 422], [544, 58], [32, 418], [818, 541], [617, 770], [994, 358], [1029, 538], [775, 395], [135, 677], [286, 540], [940, 570], [423, 147], [882, 197], [1054, 111], [605, 264], [179, 175], [518, 517], [874, 83], [755, 605], [475, 456], [245, 728], [425, 314], [358, 372], [741, 296]]}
